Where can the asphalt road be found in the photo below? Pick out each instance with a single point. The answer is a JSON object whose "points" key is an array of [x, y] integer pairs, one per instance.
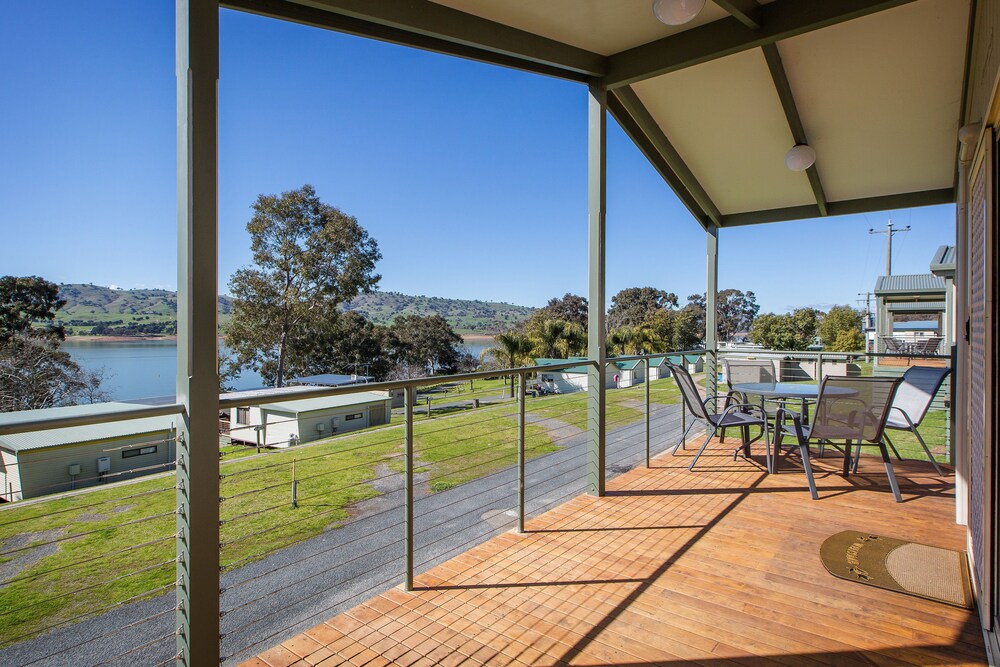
{"points": [[298, 587]]}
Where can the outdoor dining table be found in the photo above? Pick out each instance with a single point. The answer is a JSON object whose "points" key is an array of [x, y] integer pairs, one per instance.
{"points": [[797, 391]]}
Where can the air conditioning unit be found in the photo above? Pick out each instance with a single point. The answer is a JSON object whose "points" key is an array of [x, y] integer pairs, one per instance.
{"points": [[103, 465]]}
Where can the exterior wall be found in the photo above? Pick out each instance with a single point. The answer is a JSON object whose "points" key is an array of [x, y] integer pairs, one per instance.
{"points": [[245, 433], [629, 378], [567, 383], [658, 373], [283, 429], [985, 63], [9, 477], [45, 471]]}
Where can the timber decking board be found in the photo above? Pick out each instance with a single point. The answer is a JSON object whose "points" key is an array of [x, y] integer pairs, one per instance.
{"points": [[718, 567]]}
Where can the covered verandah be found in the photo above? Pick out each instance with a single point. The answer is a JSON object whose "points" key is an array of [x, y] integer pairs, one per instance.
{"points": [[877, 92]]}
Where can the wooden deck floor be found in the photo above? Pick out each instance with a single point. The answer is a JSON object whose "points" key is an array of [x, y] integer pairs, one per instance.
{"points": [[714, 567]]}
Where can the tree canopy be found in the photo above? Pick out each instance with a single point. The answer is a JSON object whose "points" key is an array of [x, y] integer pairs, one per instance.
{"points": [[840, 320], [308, 258], [570, 308], [34, 372], [633, 306], [792, 331]]}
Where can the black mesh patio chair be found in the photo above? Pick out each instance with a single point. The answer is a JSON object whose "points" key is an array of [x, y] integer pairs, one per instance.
{"points": [[893, 345], [927, 345], [741, 415], [742, 371], [909, 407], [849, 410]]}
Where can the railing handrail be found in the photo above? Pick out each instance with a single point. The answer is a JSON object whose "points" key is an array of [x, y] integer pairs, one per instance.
{"points": [[31, 425], [269, 396], [826, 354]]}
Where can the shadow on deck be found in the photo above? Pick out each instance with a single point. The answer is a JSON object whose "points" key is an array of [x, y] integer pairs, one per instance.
{"points": [[719, 566]]}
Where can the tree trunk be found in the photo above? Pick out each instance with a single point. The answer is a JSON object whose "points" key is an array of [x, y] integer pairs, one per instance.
{"points": [[279, 381]]}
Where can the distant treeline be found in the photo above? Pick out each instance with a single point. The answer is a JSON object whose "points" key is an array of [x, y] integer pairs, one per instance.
{"points": [[134, 329]]}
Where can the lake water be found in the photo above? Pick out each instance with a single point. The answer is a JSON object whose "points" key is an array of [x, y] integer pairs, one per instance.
{"points": [[148, 368]]}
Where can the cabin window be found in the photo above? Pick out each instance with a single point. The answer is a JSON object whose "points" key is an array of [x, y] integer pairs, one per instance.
{"points": [[356, 415], [138, 451], [242, 415]]}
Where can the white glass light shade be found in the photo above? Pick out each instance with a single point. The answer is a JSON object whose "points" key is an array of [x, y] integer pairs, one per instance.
{"points": [[677, 12], [800, 157]]}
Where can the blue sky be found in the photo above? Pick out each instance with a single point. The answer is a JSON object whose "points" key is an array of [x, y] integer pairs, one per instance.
{"points": [[471, 177]]}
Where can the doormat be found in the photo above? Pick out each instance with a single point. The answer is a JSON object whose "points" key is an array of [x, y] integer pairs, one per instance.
{"points": [[927, 572]]}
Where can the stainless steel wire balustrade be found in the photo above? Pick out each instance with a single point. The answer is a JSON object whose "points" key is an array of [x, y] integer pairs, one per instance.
{"points": [[311, 530]]}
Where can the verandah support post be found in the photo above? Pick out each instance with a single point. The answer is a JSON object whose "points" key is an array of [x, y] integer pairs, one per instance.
{"points": [[711, 309], [520, 451], [197, 35], [645, 363], [597, 129], [411, 397]]}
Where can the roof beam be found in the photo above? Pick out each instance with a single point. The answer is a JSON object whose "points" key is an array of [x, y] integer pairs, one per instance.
{"points": [[846, 207], [645, 146], [637, 122], [428, 25], [781, 85], [779, 20], [746, 12]]}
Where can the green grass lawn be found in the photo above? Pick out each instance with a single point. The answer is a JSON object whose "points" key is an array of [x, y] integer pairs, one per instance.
{"points": [[331, 475]]}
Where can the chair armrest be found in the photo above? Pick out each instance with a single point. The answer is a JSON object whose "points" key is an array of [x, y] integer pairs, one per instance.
{"points": [[779, 423]]}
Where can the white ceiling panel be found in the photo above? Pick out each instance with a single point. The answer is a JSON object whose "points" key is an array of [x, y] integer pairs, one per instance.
{"points": [[879, 98], [726, 122], [602, 26]]}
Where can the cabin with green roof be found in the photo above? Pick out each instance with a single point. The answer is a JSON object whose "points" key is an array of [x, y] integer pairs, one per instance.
{"points": [[39, 463]]}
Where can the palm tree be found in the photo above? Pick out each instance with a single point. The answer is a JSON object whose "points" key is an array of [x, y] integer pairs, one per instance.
{"points": [[510, 350], [547, 337]]}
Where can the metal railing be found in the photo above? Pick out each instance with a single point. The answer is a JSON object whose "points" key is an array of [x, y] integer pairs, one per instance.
{"points": [[311, 530]]}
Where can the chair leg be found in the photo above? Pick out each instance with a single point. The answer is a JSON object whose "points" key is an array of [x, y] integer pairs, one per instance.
{"points": [[888, 471], [930, 456], [702, 448], [891, 446], [683, 441], [847, 457], [804, 451], [722, 435], [857, 460]]}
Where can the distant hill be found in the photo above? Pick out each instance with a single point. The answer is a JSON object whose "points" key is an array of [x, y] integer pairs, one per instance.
{"points": [[463, 315], [95, 310], [92, 309]]}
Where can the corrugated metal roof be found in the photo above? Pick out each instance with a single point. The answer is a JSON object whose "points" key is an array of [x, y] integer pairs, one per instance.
{"points": [[920, 283], [326, 402], [943, 262], [917, 306], [19, 442], [331, 379]]}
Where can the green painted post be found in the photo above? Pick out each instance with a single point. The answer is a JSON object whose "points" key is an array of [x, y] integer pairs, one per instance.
{"points": [[520, 452], [711, 322], [646, 367], [596, 352], [819, 367], [408, 484], [197, 386]]}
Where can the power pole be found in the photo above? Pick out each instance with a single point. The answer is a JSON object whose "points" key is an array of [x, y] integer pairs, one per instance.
{"points": [[867, 300], [889, 231]]}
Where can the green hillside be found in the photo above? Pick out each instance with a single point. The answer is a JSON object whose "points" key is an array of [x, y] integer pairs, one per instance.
{"points": [[95, 310], [92, 309], [463, 315]]}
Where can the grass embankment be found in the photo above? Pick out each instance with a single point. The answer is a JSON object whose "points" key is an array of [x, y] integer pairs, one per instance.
{"points": [[103, 566]]}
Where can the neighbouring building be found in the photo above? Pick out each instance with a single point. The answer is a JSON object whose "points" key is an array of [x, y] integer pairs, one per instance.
{"points": [[39, 463], [927, 298], [290, 421]]}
